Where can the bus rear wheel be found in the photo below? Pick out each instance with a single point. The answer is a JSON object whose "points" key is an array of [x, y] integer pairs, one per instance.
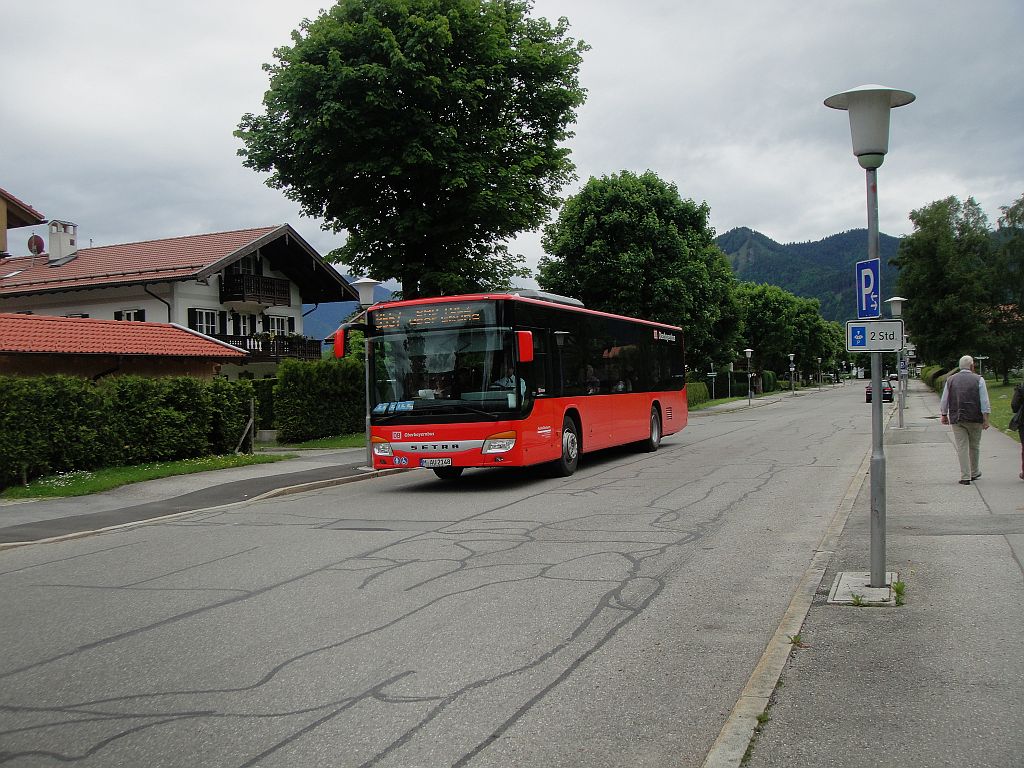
{"points": [[651, 443], [570, 459], [448, 473]]}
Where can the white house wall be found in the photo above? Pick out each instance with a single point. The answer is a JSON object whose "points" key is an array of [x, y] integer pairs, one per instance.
{"points": [[102, 303]]}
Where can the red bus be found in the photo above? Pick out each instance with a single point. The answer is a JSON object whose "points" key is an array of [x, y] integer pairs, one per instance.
{"points": [[509, 380]]}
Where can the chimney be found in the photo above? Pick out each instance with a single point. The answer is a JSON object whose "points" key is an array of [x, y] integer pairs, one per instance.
{"points": [[63, 242]]}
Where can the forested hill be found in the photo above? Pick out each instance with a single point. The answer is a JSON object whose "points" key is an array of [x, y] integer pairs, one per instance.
{"points": [[822, 270]]}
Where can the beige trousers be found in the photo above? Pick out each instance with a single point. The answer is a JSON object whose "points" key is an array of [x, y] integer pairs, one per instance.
{"points": [[967, 438]]}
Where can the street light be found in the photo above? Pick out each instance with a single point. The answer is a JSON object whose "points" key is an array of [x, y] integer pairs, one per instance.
{"points": [[869, 107], [750, 387], [896, 310], [819, 374], [792, 387], [366, 287]]}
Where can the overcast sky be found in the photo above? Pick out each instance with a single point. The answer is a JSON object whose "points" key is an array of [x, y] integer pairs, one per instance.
{"points": [[118, 116]]}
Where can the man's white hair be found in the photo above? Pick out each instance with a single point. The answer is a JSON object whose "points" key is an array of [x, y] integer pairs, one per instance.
{"points": [[966, 363]]}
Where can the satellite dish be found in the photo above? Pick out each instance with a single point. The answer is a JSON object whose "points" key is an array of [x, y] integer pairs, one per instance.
{"points": [[35, 245]]}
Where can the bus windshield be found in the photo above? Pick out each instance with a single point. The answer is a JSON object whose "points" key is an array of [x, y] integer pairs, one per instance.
{"points": [[468, 373]]}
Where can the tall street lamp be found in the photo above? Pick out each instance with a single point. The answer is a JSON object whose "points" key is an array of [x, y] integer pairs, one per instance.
{"points": [[869, 107], [366, 287], [750, 386], [896, 310], [819, 374], [792, 367]]}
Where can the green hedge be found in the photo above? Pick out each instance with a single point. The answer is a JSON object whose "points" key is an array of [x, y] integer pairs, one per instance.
{"points": [[697, 393], [931, 373], [52, 424], [264, 402], [319, 399]]}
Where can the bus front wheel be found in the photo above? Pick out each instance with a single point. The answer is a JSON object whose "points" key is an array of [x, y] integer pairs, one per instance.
{"points": [[570, 459], [448, 473]]}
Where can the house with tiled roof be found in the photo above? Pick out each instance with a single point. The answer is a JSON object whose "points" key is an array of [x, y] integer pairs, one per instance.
{"points": [[244, 287], [33, 345]]}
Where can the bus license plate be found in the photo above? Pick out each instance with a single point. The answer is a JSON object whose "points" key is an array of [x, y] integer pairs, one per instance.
{"points": [[435, 462]]}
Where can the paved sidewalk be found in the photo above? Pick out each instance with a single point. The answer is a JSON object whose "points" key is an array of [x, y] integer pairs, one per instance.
{"points": [[938, 681]]}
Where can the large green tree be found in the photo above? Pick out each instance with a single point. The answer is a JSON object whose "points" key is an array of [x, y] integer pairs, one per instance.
{"points": [[943, 267], [1006, 332], [429, 130], [629, 244]]}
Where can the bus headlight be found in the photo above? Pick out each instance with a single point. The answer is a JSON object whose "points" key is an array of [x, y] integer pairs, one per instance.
{"points": [[381, 447], [500, 443]]}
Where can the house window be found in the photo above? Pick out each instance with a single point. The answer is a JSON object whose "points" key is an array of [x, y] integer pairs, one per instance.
{"points": [[277, 324], [244, 266], [206, 321], [130, 314]]}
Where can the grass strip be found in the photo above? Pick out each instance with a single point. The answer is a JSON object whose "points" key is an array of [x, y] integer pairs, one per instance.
{"points": [[84, 482]]}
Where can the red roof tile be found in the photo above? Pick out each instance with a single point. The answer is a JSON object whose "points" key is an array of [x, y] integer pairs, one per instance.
{"points": [[31, 334], [176, 258]]}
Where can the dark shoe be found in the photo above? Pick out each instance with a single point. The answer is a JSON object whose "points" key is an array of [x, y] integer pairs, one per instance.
{"points": [[975, 477], [965, 482]]}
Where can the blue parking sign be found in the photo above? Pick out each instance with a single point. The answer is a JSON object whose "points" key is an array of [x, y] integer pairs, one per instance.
{"points": [[858, 336], [869, 289]]}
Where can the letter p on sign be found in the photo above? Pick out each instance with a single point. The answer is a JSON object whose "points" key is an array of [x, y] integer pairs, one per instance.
{"points": [[869, 289]]}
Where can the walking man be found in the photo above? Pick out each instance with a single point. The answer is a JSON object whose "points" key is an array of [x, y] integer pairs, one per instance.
{"points": [[966, 407]]}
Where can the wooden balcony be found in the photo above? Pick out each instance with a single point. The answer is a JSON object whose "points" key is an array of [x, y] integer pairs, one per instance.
{"points": [[263, 348], [255, 289]]}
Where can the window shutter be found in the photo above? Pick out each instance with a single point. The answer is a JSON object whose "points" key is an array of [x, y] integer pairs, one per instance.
{"points": [[236, 324], [258, 259], [252, 324], [222, 323], [291, 325], [119, 315], [192, 321], [142, 315]]}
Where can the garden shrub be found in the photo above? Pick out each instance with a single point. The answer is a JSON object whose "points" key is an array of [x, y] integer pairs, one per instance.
{"points": [[697, 393], [264, 389], [63, 423], [317, 399]]}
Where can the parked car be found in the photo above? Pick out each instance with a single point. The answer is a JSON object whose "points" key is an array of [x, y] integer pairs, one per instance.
{"points": [[886, 392], [894, 377]]}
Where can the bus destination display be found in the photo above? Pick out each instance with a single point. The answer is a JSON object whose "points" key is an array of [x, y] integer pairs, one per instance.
{"points": [[428, 316]]}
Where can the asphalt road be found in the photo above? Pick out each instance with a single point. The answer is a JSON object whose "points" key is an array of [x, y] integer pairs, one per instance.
{"points": [[607, 619]]}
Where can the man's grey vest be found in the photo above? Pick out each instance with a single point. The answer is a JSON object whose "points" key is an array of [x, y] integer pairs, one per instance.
{"points": [[964, 399]]}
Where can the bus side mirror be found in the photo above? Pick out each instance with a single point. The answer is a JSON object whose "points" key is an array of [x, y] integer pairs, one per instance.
{"points": [[339, 342], [524, 341]]}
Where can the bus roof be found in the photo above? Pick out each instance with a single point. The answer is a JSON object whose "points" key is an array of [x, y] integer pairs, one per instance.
{"points": [[512, 296]]}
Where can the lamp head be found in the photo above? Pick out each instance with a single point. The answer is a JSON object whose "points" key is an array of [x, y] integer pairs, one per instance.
{"points": [[869, 107], [365, 286], [895, 305], [748, 352]]}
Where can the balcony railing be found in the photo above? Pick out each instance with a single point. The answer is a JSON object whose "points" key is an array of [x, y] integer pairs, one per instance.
{"points": [[271, 349], [256, 289]]}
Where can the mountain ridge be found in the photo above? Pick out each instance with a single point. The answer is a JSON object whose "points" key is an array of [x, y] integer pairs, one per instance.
{"points": [[819, 269]]}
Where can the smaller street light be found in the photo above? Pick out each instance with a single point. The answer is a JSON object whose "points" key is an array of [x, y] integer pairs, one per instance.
{"points": [[819, 374], [896, 310], [792, 367], [750, 387]]}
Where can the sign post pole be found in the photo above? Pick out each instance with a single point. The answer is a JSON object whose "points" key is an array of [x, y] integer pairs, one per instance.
{"points": [[877, 451]]}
